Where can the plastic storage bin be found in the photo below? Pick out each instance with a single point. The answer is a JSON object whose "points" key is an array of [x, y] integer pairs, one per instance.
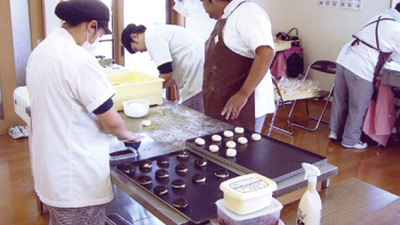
{"points": [[21, 101], [267, 216], [248, 193], [135, 85]]}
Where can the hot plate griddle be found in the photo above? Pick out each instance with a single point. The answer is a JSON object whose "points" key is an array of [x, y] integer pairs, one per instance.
{"points": [[269, 157], [201, 197]]}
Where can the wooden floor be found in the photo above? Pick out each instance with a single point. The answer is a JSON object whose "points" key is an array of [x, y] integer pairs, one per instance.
{"points": [[378, 166]]}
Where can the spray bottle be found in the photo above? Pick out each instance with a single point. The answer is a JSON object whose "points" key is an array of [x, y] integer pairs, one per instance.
{"points": [[310, 206]]}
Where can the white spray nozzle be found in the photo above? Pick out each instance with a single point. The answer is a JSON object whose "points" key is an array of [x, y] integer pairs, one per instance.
{"points": [[311, 172]]}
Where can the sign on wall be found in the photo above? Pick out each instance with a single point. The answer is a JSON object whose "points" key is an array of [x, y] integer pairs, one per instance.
{"points": [[346, 4]]}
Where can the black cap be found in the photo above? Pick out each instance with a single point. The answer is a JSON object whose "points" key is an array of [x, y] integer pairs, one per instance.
{"points": [[78, 11], [126, 35]]}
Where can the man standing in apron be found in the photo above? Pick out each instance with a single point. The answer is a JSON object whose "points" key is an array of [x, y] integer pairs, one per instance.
{"points": [[358, 64], [237, 84]]}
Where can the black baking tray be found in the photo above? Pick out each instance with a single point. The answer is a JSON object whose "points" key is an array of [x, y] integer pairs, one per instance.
{"points": [[269, 157], [201, 197], [123, 156]]}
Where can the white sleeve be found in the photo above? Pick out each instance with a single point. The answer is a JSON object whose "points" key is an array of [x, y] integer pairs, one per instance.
{"points": [[254, 28], [393, 34], [90, 86], [158, 48]]}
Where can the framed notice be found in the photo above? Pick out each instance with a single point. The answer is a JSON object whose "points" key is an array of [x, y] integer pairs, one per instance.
{"points": [[345, 4], [351, 4], [329, 3]]}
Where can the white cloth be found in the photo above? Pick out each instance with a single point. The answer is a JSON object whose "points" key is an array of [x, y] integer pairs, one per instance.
{"points": [[182, 47], [245, 30], [394, 14], [361, 59], [70, 151]]}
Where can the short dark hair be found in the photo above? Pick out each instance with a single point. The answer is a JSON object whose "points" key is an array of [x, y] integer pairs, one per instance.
{"points": [[397, 7], [126, 35]]}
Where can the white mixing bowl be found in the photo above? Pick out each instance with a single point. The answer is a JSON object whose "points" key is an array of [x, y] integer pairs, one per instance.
{"points": [[136, 108]]}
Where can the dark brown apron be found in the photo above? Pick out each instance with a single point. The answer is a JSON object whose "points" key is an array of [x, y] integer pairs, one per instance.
{"points": [[382, 57], [224, 74]]}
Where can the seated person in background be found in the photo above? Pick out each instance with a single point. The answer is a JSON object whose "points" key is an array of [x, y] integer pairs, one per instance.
{"points": [[178, 54], [358, 64]]}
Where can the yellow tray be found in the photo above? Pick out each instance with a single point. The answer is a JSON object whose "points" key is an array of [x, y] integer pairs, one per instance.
{"points": [[135, 85]]}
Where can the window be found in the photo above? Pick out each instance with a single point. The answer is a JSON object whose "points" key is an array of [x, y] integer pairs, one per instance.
{"points": [[147, 13], [105, 46]]}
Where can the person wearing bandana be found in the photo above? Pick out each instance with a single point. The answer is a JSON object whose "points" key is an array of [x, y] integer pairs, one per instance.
{"points": [[237, 86]]}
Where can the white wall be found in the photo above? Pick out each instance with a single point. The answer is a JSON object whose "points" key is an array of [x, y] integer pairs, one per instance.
{"points": [[199, 22], [21, 38], [51, 20], [322, 30]]}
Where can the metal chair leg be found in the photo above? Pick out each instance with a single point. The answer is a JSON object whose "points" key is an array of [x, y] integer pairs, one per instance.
{"points": [[319, 120], [271, 125]]}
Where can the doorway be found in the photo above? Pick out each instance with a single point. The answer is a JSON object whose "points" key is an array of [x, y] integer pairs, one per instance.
{"points": [[15, 49]]}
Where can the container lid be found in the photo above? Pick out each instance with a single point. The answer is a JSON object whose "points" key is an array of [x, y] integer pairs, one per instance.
{"points": [[274, 207], [248, 186]]}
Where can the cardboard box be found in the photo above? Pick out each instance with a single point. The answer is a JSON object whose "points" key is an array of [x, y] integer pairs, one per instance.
{"points": [[135, 85]]}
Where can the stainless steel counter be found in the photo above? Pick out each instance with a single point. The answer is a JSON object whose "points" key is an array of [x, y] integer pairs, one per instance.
{"points": [[172, 124]]}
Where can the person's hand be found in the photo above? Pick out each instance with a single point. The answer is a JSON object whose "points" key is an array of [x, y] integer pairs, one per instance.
{"points": [[133, 138], [234, 106]]}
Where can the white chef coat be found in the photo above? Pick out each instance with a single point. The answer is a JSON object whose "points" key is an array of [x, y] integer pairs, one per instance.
{"points": [[246, 29], [394, 14], [361, 59], [70, 150], [182, 47]]}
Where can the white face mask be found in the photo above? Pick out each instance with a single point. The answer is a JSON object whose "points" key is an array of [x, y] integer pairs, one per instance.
{"points": [[91, 47]]}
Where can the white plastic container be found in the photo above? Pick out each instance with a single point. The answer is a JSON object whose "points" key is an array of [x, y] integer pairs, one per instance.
{"points": [[21, 101], [248, 193], [267, 216]]}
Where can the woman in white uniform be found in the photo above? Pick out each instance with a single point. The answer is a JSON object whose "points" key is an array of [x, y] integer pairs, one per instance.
{"points": [[72, 112], [178, 54]]}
